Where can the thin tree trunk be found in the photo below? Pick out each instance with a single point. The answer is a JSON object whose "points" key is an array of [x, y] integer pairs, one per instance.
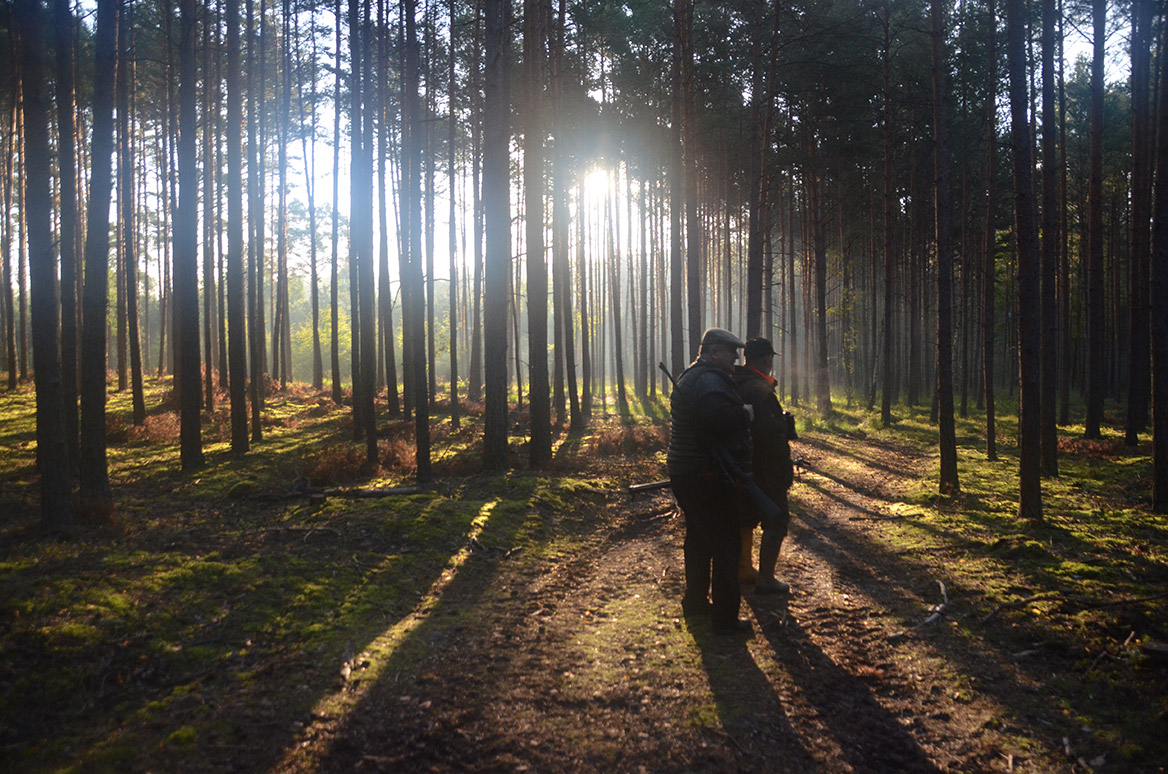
{"points": [[1049, 260], [334, 344], [452, 126], [676, 195], [988, 268], [236, 327], [1096, 332], [127, 229], [948, 435]]}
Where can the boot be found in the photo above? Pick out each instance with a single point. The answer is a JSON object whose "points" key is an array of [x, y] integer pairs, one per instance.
{"points": [[746, 573], [768, 557]]}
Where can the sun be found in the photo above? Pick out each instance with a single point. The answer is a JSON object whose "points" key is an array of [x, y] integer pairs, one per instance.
{"points": [[596, 186]]}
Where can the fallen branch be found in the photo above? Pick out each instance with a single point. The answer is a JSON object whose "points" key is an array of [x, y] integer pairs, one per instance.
{"points": [[938, 610], [1019, 603], [344, 491]]}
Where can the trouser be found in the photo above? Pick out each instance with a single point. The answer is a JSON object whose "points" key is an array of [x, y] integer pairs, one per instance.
{"points": [[711, 543]]}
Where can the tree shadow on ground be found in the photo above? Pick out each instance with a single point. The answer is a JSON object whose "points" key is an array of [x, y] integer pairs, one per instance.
{"points": [[844, 720]]}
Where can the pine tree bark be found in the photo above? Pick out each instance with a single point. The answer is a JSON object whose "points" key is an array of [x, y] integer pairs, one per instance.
{"points": [[1029, 334], [497, 222], [52, 450], [452, 126], [94, 482]]}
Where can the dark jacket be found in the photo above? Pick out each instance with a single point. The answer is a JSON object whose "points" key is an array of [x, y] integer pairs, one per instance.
{"points": [[706, 412], [771, 462]]}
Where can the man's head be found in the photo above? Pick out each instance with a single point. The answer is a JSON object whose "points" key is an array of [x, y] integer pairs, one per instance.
{"points": [[720, 347], [760, 354]]}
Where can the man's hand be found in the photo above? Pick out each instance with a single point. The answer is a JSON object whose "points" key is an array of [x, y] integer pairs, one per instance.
{"points": [[750, 411]]}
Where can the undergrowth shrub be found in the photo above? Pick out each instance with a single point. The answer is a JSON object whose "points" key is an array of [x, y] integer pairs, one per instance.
{"points": [[635, 441], [398, 455], [335, 464]]}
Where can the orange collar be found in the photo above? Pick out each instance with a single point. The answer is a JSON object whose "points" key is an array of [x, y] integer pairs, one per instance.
{"points": [[772, 381]]}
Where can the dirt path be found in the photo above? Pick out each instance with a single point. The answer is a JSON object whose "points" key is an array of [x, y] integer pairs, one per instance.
{"points": [[584, 664]]}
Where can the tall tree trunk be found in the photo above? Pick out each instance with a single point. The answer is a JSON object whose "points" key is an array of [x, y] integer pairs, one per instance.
{"points": [[497, 217], [186, 260], [127, 229], [210, 83], [52, 450], [1096, 332], [1141, 210], [1050, 241], [236, 327], [948, 434], [676, 194], [534, 55], [7, 301], [1159, 302], [255, 218], [334, 343], [415, 309], [94, 489], [361, 234], [309, 153], [693, 225], [889, 258], [70, 274], [451, 133], [819, 251], [988, 269], [1029, 335], [756, 12]]}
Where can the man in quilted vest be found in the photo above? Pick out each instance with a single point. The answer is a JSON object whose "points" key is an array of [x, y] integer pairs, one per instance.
{"points": [[708, 419]]}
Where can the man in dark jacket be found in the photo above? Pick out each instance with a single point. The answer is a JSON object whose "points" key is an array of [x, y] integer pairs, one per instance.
{"points": [[770, 463], [708, 419]]}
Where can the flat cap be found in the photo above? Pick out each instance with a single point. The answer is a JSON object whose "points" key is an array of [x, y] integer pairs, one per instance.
{"points": [[714, 336], [759, 347]]}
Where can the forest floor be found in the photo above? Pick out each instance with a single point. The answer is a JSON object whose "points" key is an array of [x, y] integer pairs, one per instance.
{"points": [[244, 620]]}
